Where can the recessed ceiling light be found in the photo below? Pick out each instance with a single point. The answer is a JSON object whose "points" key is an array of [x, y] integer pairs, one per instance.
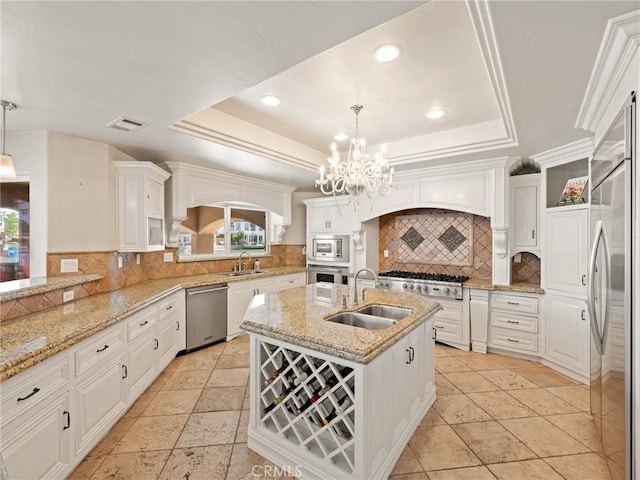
{"points": [[270, 100], [341, 136], [436, 113], [386, 53]]}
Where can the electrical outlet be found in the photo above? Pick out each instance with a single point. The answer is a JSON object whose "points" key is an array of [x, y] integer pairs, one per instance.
{"points": [[137, 259], [304, 250], [68, 296], [386, 253], [119, 261], [68, 265], [517, 258], [168, 257]]}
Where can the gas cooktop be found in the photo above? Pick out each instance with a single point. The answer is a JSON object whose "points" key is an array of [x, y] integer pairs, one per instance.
{"points": [[431, 284], [433, 277]]}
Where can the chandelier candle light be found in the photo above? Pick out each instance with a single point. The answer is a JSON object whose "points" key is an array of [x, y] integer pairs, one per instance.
{"points": [[357, 174], [6, 162]]}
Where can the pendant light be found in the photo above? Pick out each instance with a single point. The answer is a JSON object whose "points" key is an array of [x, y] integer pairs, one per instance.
{"points": [[6, 162]]}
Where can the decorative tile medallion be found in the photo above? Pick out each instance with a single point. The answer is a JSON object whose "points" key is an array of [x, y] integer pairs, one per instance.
{"points": [[452, 238], [412, 238]]}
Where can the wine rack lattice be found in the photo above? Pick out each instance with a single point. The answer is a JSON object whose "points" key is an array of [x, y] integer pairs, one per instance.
{"points": [[310, 402]]}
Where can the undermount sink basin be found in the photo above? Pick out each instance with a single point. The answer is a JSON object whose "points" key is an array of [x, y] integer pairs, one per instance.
{"points": [[362, 320], [386, 311], [244, 273]]}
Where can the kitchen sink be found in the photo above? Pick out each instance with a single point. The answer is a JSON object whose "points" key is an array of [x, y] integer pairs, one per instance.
{"points": [[244, 273], [386, 311], [361, 320]]}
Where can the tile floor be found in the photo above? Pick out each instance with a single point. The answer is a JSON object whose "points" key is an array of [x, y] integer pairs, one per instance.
{"points": [[496, 417]]}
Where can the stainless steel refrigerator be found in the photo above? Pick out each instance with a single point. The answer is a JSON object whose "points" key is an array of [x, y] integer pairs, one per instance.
{"points": [[611, 291]]}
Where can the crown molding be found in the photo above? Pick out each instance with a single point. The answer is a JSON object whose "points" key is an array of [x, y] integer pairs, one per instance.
{"points": [[619, 47], [476, 166], [572, 151]]}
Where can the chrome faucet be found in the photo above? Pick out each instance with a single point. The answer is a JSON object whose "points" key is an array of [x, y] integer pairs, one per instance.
{"points": [[355, 284], [241, 265]]}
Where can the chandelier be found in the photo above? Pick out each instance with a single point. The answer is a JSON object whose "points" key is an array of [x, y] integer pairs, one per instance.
{"points": [[357, 174]]}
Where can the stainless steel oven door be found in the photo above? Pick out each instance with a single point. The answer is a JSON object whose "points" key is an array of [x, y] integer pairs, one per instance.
{"points": [[322, 273]]}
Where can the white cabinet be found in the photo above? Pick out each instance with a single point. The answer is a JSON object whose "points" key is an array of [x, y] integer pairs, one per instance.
{"points": [[525, 213], [565, 258], [452, 323], [567, 333], [169, 328], [479, 319], [329, 215], [140, 195], [513, 322], [239, 296], [290, 280]]}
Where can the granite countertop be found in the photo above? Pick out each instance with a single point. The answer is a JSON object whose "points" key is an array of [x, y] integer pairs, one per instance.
{"points": [[485, 284], [33, 286], [30, 339], [297, 316]]}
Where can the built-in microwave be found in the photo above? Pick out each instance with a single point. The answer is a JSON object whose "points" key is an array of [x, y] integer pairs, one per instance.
{"points": [[327, 274], [330, 248]]}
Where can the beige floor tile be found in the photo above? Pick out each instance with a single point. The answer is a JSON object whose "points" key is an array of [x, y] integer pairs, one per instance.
{"points": [[193, 361], [580, 426], [243, 427], [544, 438], [160, 382], [126, 466], [481, 362], [233, 361], [501, 405], [211, 428], [576, 395], [543, 402], [514, 362], [111, 439], [410, 476], [407, 463], [469, 473], [492, 443], [174, 365], [141, 404], [507, 379], [444, 386], [87, 467], [219, 399], [544, 376], [439, 447], [588, 466], [187, 380], [152, 433], [442, 350], [469, 382], [246, 464], [247, 398], [232, 377], [198, 463], [432, 418], [239, 345], [526, 470], [169, 402], [450, 364], [457, 352], [459, 409]]}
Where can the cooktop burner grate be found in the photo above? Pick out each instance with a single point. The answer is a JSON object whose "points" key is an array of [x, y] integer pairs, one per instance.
{"points": [[434, 277]]}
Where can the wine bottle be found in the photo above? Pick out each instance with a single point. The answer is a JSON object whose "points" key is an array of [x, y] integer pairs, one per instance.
{"points": [[343, 404], [312, 399], [278, 399]]}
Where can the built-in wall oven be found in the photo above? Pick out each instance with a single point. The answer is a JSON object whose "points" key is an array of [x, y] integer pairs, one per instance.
{"points": [[327, 274]]}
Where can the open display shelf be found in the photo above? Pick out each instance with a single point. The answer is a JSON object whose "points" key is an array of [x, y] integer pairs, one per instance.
{"points": [[310, 402]]}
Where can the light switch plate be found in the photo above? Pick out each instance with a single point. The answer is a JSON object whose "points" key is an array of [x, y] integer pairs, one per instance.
{"points": [[68, 265], [137, 259], [119, 261], [386, 253], [68, 296], [168, 257], [517, 258]]}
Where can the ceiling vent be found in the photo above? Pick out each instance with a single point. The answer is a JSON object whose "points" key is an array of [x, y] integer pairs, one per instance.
{"points": [[126, 124]]}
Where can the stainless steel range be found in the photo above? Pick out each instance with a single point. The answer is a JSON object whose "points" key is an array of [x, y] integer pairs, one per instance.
{"points": [[431, 284]]}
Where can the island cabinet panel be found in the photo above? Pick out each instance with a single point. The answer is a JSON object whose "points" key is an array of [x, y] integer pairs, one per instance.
{"points": [[333, 418]]}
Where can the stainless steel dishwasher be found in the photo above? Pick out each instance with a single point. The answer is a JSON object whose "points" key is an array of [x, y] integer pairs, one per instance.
{"points": [[206, 315]]}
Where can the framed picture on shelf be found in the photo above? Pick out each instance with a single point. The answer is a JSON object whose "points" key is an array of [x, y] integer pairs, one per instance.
{"points": [[573, 191]]}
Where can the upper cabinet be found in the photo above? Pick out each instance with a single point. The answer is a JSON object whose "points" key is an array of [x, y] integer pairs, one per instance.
{"points": [[329, 215], [525, 213], [140, 194]]}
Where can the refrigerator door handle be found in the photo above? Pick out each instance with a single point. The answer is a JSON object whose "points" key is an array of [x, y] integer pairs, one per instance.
{"points": [[599, 339]]}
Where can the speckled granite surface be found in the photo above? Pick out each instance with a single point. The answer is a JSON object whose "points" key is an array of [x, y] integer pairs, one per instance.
{"points": [[485, 284], [30, 339], [297, 316], [34, 286]]}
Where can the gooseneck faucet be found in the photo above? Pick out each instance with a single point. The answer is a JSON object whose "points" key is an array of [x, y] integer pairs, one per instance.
{"points": [[355, 284], [240, 265]]}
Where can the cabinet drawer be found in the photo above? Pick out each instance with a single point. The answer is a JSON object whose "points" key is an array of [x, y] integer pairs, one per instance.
{"points": [[99, 348], [448, 329], [517, 322], [514, 303], [169, 305], [34, 385], [142, 322], [527, 342], [450, 309]]}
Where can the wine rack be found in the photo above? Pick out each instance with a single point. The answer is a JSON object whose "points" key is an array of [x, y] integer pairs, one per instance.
{"points": [[310, 402]]}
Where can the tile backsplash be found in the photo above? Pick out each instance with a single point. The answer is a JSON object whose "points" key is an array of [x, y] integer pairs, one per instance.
{"points": [[527, 269]]}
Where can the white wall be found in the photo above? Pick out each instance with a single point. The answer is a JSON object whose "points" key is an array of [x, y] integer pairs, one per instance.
{"points": [[29, 151], [81, 195], [296, 232]]}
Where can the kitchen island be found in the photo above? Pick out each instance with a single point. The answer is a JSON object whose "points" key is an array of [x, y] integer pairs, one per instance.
{"points": [[331, 400]]}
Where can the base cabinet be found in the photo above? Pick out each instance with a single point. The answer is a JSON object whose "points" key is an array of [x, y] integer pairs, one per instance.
{"points": [[452, 323]]}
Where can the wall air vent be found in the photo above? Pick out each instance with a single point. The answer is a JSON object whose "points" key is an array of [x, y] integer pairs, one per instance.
{"points": [[126, 124]]}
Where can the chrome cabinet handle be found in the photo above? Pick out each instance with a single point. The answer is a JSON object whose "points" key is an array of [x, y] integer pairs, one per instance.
{"points": [[35, 390]]}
